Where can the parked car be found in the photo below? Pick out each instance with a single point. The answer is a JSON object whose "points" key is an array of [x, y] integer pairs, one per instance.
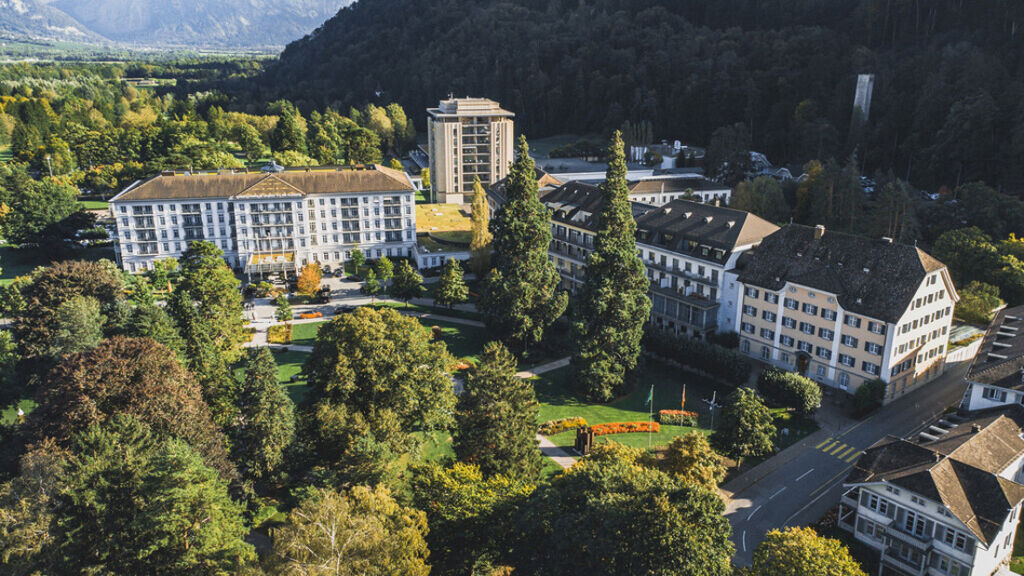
{"points": [[344, 310], [354, 278], [310, 315]]}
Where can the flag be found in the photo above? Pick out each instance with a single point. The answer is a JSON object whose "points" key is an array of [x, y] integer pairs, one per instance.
{"points": [[650, 396], [682, 403]]}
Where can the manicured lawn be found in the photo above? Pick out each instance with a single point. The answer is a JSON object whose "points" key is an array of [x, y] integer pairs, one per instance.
{"points": [[94, 204], [462, 341], [21, 261], [421, 196], [305, 334], [558, 400], [439, 310], [289, 364]]}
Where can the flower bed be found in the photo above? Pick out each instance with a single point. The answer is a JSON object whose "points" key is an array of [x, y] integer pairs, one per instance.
{"points": [[624, 428], [677, 417], [552, 427]]}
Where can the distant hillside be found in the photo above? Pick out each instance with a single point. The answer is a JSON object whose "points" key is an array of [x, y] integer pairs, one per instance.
{"points": [[949, 74], [168, 23], [35, 19]]}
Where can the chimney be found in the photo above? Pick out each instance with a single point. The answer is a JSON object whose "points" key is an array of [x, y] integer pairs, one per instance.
{"points": [[819, 231]]}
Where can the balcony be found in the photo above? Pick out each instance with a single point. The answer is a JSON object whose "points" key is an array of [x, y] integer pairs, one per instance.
{"points": [[902, 566], [681, 272], [920, 543]]}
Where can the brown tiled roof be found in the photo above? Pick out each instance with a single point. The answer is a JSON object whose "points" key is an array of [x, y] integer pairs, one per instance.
{"points": [[579, 204], [290, 182], [545, 181], [678, 184], [961, 469], [1000, 359], [870, 276]]}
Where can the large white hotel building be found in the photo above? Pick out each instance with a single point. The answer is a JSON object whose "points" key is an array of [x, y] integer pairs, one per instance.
{"points": [[273, 221]]}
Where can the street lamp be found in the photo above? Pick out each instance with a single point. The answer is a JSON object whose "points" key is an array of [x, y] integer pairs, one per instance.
{"points": [[49, 165]]}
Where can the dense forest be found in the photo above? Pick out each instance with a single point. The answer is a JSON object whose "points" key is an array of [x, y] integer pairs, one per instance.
{"points": [[947, 104]]}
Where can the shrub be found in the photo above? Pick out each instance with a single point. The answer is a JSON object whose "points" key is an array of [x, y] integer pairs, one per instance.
{"points": [[869, 396], [624, 428], [280, 334], [678, 417], [261, 289], [789, 389], [552, 427], [722, 363]]}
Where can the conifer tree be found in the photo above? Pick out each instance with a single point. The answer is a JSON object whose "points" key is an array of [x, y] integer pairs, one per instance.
{"points": [[480, 242], [407, 283], [497, 418], [451, 289], [521, 297], [266, 422], [613, 305]]}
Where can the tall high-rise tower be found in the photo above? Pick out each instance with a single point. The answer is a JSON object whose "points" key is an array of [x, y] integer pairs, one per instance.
{"points": [[467, 138]]}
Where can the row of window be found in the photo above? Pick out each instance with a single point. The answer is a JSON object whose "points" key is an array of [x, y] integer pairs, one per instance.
{"points": [[813, 310], [927, 319], [925, 300], [820, 351]]}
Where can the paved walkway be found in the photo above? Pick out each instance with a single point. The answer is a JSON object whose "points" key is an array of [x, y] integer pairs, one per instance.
{"points": [[561, 456]]}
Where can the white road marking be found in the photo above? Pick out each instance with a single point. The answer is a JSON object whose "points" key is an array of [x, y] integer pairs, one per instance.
{"points": [[781, 490], [754, 512], [743, 540], [801, 477]]}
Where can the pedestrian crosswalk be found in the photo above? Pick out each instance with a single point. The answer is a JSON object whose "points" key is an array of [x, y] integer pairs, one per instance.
{"points": [[839, 450]]}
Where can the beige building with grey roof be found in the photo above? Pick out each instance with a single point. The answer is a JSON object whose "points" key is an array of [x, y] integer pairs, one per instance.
{"points": [[272, 221], [845, 309]]}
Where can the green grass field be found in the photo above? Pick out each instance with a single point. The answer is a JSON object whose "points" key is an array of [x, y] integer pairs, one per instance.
{"points": [[22, 261], [305, 334], [558, 400], [289, 364], [94, 204]]}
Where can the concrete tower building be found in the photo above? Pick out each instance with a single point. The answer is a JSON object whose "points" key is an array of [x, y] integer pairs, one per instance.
{"points": [[467, 138]]}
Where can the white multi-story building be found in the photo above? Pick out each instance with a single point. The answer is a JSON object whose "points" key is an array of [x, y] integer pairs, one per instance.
{"points": [[686, 247], [274, 221], [844, 309], [947, 504], [661, 189], [467, 138]]}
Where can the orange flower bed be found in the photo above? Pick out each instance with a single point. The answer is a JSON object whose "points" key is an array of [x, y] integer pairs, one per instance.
{"points": [[624, 428], [678, 417]]}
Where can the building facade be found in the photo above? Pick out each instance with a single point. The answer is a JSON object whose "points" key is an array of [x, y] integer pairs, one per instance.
{"points": [[686, 247], [996, 376], [662, 189], [844, 309], [467, 138], [267, 222], [941, 506]]}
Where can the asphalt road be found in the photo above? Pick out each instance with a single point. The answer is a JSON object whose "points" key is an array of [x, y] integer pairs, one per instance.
{"points": [[801, 491]]}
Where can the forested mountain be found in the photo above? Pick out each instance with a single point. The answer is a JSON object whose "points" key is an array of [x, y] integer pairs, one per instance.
{"points": [[947, 100], [167, 23]]}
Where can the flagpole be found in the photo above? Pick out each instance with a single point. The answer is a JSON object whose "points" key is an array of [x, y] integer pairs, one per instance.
{"points": [[650, 416]]}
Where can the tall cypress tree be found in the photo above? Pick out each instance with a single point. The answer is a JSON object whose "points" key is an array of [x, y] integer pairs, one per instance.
{"points": [[520, 294], [497, 418], [480, 243], [613, 305]]}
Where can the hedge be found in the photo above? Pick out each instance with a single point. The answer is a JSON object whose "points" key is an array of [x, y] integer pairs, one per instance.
{"points": [[552, 427], [280, 334], [624, 428], [729, 365], [789, 389], [677, 417]]}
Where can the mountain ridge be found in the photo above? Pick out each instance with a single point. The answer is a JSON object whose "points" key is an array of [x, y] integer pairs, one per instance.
{"points": [[167, 23]]}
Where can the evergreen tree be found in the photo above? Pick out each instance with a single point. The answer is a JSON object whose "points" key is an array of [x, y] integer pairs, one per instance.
{"points": [[747, 428], [283, 313], [480, 243], [497, 418], [451, 289], [371, 287], [266, 422], [521, 297], [153, 322], [136, 504], [407, 283], [613, 305], [211, 286], [290, 133]]}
